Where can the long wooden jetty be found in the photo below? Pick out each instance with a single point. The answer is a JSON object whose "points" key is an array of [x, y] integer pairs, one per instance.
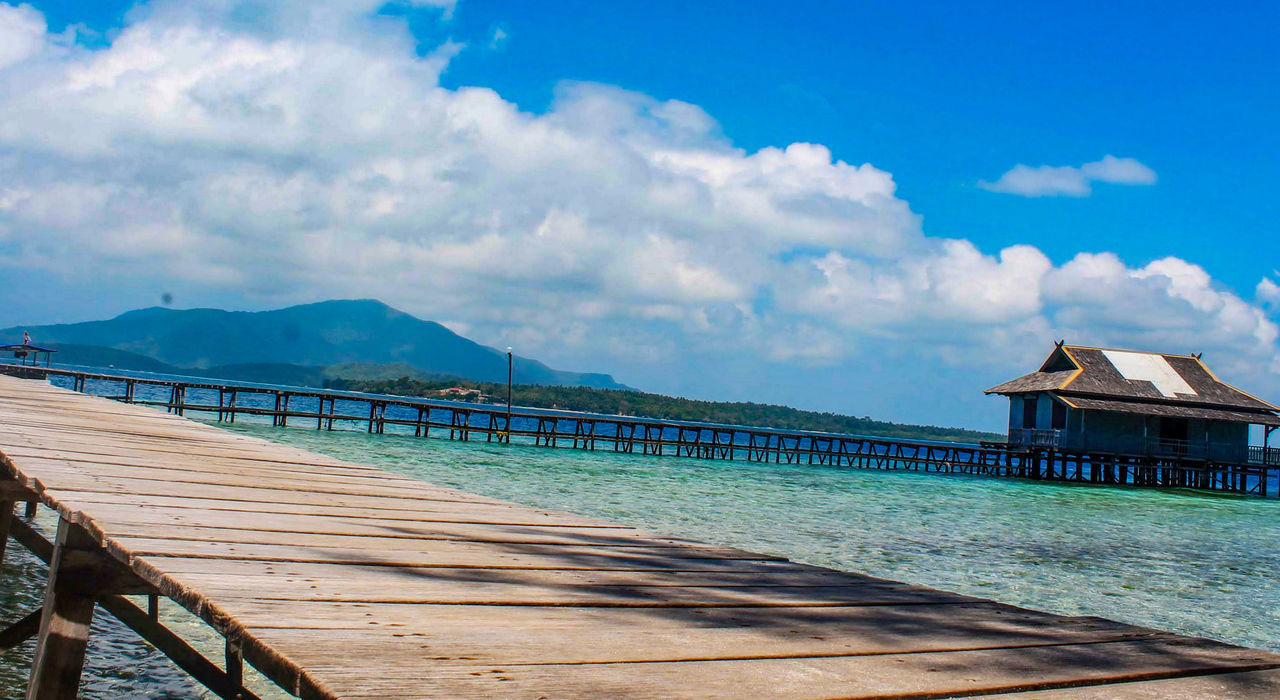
{"points": [[336, 580], [325, 410]]}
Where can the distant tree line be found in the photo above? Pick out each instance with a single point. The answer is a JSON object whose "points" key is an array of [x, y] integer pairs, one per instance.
{"points": [[642, 404]]}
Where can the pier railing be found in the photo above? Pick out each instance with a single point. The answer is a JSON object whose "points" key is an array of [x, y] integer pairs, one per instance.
{"points": [[321, 409], [1035, 437], [1264, 455], [1200, 450]]}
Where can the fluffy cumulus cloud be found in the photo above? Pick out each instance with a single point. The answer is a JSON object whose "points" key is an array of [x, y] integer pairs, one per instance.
{"points": [[314, 154], [22, 32], [1268, 292], [1053, 181]]}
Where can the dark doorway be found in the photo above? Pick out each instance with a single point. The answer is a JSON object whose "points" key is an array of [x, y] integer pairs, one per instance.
{"points": [[1059, 416], [1029, 404], [1173, 429]]}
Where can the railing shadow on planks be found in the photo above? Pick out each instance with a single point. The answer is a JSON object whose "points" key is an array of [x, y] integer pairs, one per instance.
{"points": [[424, 418]]}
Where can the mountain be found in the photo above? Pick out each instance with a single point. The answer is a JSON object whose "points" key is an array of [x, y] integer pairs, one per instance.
{"points": [[312, 335], [260, 372], [99, 356]]}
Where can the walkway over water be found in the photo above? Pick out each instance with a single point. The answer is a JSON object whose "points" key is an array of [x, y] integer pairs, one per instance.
{"points": [[326, 410], [338, 580]]}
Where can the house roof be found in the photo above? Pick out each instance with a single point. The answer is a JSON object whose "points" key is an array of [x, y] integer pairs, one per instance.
{"points": [[1145, 379], [1170, 410], [19, 347]]}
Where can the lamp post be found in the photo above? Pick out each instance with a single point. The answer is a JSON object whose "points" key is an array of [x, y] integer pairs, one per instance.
{"points": [[510, 377]]}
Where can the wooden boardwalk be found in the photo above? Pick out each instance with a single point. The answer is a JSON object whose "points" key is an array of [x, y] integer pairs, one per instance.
{"points": [[1257, 472], [344, 581]]}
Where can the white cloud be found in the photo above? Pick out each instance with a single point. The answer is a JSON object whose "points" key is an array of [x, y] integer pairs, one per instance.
{"points": [[1051, 181], [1119, 171], [319, 157], [22, 33], [498, 38], [1268, 292]]}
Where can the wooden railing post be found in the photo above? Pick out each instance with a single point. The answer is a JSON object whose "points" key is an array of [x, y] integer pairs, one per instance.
{"points": [[80, 573], [6, 516], [64, 625]]}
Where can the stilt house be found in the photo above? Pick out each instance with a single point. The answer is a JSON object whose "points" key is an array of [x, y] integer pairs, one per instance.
{"points": [[1142, 403]]}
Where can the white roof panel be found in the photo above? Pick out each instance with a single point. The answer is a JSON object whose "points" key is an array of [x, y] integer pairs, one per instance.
{"points": [[1142, 366]]}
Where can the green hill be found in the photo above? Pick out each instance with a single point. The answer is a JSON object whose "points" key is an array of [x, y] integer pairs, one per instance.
{"points": [[259, 372], [98, 356], [312, 335]]}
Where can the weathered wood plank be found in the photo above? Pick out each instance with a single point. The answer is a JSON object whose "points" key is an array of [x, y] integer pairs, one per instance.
{"points": [[21, 630], [77, 481], [241, 478], [923, 675], [609, 635], [1219, 686], [338, 571], [426, 512], [217, 542]]}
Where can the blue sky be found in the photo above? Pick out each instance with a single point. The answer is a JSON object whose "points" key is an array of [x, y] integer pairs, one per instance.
{"points": [[943, 97]]}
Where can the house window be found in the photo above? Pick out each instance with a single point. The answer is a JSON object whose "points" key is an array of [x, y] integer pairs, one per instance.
{"points": [[1029, 405], [1059, 416]]}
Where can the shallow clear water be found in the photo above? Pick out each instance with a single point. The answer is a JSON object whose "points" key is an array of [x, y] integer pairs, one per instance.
{"points": [[1192, 563]]}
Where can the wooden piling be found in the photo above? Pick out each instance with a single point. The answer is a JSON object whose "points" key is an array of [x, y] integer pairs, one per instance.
{"points": [[6, 517], [68, 611]]}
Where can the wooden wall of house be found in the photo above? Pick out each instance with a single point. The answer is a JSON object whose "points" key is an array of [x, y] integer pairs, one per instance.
{"points": [[1112, 432], [1124, 432], [1229, 433], [1044, 411]]}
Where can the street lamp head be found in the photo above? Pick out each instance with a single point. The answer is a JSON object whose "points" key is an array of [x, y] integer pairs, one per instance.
{"points": [[508, 349]]}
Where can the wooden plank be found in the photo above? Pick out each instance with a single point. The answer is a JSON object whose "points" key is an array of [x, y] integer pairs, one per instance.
{"points": [[445, 526], [923, 675], [391, 540], [55, 475], [460, 590], [1219, 686], [865, 626], [612, 635], [457, 554], [190, 461], [13, 491], [241, 477], [778, 575], [425, 512], [21, 630], [83, 482]]}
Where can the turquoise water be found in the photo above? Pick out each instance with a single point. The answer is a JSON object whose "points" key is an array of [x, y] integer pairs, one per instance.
{"points": [[1196, 564]]}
